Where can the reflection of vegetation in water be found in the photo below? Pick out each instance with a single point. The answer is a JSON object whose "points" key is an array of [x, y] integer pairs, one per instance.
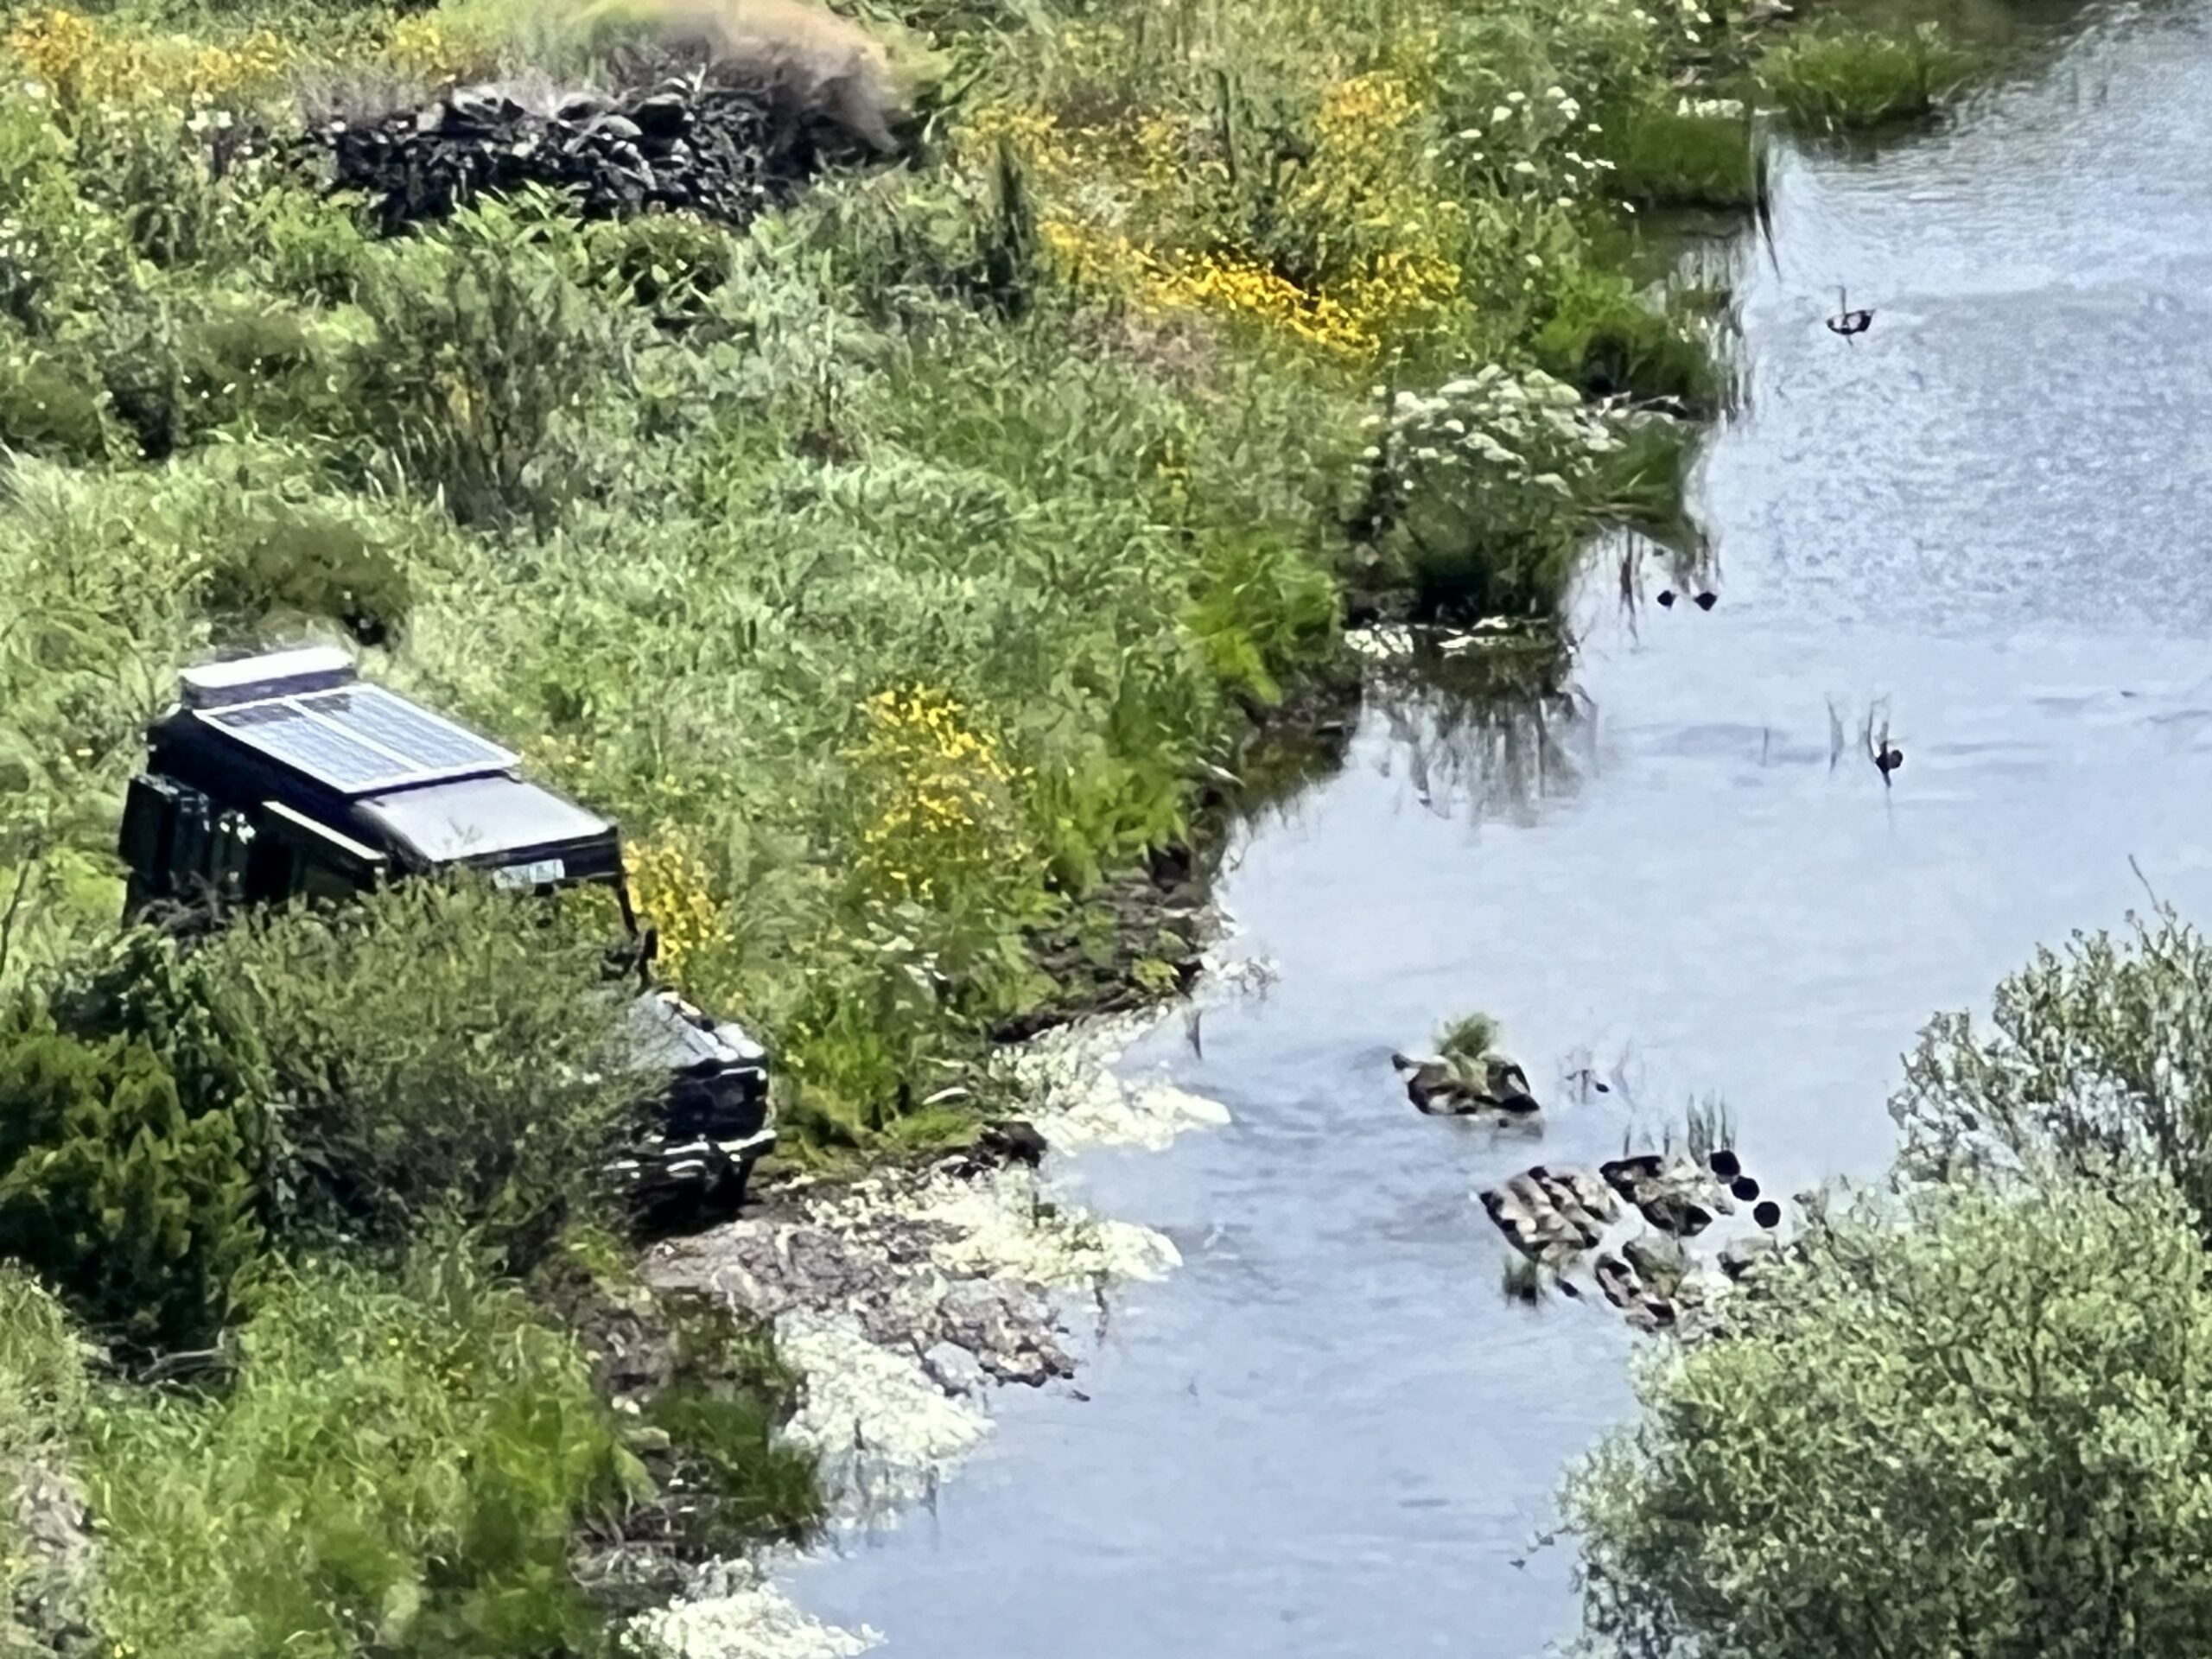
{"points": [[1522, 1279], [1490, 727]]}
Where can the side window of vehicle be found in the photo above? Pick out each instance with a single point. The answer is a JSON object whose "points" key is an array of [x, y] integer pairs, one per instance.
{"points": [[317, 862], [320, 880]]}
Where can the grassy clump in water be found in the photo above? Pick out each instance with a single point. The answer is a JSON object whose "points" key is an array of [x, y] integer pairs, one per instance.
{"points": [[1708, 1127], [1851, 81], [1470, 1037]]}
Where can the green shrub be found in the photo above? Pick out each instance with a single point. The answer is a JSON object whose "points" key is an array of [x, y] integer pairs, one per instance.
{"points": [[1828, 81], [142, 987], [665, 264], [1981, 1433], [439, 1049], [46, 407], [137, 1211], [1604, 342], [1496, 480], [2089, 1065], [398, 1468], [1667, 157], [309, 564], [487, 347]]}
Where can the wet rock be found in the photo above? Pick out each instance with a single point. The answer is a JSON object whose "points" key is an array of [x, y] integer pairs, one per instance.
{"points": [[1671, 1212], [1617, 1282], [1564, 1196], [1015, 1141], [1627, 1176], [1676, 1198], [1591, 1192], [1569, 1230], [1444, 1086], [1742, 1255], [1009, 1328], [1661, 1263]]}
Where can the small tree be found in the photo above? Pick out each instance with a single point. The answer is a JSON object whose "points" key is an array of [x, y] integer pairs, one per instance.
{"points": [[2099, 1064], [1987, 1435], [137, 1211]]}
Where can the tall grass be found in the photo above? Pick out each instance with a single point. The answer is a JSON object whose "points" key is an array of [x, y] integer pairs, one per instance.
{"points": [[1708, 1127], [396, 1466], [1829, 80]]}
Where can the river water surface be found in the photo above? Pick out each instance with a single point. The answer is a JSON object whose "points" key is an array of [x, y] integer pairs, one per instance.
{"points": [[1329, 1437]]}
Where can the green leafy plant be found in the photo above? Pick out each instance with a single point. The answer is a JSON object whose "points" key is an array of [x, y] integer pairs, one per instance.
{"points": [[307, 564], [440, 1049], [398, 1466], [2089, 1064], [487, 347], [1979, 1429], [1669, 153], [140, 1212], [1838, 80]]}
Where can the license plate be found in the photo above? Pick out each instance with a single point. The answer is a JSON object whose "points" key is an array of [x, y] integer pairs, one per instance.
{"points": [[537, 873]]}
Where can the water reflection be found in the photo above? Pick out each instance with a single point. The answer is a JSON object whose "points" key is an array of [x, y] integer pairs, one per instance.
{"points": [[1486, 754]]}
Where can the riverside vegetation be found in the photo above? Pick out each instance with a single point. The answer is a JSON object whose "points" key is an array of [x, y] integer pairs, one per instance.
{"points": [[898, 571], [1964, 1416]]}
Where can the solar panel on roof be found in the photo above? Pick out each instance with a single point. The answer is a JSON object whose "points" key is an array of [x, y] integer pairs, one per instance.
{"points": [[360, 740], [285, 733], [414, 734]]}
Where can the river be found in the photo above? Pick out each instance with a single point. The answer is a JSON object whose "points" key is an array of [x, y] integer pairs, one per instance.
{"points": [[1329, 1436]]}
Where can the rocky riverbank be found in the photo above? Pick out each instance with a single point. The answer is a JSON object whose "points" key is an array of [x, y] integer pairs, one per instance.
{"points": [[905, 1296]]}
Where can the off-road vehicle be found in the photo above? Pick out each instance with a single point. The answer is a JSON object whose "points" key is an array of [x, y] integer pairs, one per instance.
{"points": [[285, 777]]}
